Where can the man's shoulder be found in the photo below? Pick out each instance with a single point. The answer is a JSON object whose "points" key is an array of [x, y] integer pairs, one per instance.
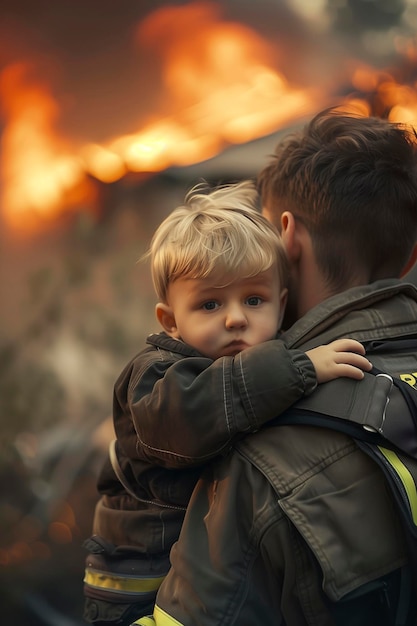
{"points": [[354, 312]]}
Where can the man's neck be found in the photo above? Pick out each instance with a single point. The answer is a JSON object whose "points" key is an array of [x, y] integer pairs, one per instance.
{"points": [[312, 287]]}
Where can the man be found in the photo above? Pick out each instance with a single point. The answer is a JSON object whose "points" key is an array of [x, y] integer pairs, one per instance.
{"points": [[296, 525]]}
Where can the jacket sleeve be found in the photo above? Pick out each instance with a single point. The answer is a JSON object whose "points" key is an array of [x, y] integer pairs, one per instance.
{"points": [[185, 412]]}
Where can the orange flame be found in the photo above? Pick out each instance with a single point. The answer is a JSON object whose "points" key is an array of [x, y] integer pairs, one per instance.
{"points": [[219, 87], [39, 173], [391, 94]]}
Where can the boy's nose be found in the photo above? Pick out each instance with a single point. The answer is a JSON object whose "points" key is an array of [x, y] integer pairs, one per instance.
{"points": [[236, 318]]}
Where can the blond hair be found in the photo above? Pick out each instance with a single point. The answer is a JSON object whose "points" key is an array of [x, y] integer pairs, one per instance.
{"points": [[221, 234]]}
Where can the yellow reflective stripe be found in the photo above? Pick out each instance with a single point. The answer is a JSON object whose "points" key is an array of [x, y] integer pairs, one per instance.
{"points": [[163, 619], [405, 477], [145, 621], [103, 580]]}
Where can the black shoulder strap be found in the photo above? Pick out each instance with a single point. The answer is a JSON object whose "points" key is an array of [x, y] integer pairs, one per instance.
{"points": [[380, 413], [379, 409]]}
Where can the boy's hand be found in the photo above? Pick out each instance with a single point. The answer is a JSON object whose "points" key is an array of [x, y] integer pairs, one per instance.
{"points": [[343, 357]]}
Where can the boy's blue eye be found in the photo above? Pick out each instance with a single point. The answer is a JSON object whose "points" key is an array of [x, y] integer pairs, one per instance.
{"points": [[210, 306], [254, 300]]}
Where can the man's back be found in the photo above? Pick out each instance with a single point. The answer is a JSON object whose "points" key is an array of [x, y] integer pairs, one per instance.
{"points": [[341, 528], [298, 521]]}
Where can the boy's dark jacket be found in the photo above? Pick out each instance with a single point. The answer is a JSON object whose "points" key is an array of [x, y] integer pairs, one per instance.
{"points": [[174, 410], [301, 509]]}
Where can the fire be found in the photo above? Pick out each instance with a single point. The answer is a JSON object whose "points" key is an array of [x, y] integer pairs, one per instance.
{"points": [[389, 93], [40, 175], [219, 87], [220, 75]]}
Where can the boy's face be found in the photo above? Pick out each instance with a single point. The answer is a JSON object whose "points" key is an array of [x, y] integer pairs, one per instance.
{"points": [[222, 321]]}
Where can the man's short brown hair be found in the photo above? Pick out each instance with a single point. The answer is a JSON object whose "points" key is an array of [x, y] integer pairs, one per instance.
{"points": [[352, 181]]}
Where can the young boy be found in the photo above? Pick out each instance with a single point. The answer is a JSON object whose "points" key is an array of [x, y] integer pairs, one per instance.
{"points": [[220, 274]]}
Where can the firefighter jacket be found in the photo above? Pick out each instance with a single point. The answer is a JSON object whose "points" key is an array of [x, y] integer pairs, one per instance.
{"points": [[295, 518]]}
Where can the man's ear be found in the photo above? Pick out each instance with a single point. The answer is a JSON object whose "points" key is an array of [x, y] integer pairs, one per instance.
{"points": [[288, 233], [411, 261], [283, 297], [166, 318]]}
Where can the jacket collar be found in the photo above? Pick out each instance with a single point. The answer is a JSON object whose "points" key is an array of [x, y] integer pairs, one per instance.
{"points": [[165, 342], [356, 309]]}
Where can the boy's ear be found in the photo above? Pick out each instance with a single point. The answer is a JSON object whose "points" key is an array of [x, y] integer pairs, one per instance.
{"points": [[283, 297], [166, 318]]}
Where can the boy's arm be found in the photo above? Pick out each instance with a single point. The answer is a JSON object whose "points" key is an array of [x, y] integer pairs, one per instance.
{"points": [[184, 412], [188, 411]]}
